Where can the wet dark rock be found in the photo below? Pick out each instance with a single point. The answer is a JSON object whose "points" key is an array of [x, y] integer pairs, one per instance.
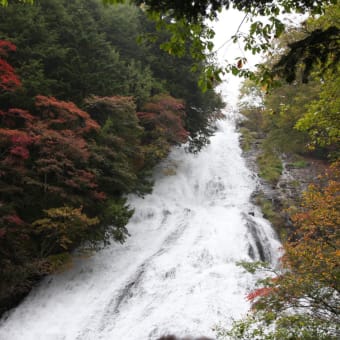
{"points": [[251, 252], [295, 178], [261, 255]]}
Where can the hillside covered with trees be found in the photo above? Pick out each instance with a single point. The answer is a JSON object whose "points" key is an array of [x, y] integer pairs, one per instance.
{"points": [[89, 105]]}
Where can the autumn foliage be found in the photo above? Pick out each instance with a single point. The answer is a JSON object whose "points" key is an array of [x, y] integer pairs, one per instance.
{"points": [[257, 293], [62, 175], [84, 127], [314, 249], [165, 114], [163, 121], [63, 171], [9, 81], [306, 291]]}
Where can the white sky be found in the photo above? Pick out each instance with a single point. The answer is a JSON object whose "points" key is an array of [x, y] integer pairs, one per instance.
{"points": [[226, 26]]}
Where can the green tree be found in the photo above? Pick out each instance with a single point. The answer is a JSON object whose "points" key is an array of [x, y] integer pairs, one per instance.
{"points": [[316, 47], [65, 52], [116, 155], [299, 118], [321, 120], [61, 229]]}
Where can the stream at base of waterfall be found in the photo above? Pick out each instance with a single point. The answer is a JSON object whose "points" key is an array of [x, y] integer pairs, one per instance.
{"points": [[177, 273]]}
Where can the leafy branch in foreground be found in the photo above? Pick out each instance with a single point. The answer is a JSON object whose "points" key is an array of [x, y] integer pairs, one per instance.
{"points": [[188, 20], [317, 47]]}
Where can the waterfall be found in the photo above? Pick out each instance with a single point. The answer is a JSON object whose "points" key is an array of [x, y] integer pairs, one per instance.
{"points": [[177, 273]]}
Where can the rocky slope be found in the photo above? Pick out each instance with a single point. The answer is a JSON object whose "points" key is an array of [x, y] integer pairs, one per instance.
{"points": [[280, 199]]}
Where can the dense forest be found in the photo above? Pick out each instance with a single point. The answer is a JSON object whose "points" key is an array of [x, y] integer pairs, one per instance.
{"points": [[87, 110]]}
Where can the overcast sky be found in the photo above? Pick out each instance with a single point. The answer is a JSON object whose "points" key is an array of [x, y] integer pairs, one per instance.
{"points": [[226, 26]]}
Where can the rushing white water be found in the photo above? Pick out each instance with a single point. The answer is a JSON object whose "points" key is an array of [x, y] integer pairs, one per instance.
{"points": [[177, 272]]}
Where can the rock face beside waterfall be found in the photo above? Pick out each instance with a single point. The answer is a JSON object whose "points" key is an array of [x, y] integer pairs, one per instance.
{"points": [[280, 199]]}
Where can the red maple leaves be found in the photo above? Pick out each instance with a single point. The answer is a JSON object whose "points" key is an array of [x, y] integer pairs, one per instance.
{"points": [[60, 114], [166, 115], [260, 292], [9, 81]]}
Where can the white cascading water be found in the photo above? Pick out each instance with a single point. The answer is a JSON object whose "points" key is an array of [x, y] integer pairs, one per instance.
{"points": [[177, 273]]}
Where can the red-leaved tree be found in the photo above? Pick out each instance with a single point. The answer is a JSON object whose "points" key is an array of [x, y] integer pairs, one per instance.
{"points": [[165, 114], [163, 121], [9, 81]]}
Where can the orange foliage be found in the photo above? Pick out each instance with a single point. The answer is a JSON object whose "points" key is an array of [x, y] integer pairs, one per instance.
{"points": [[314, 249], [311, 271], [264, 291]]}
